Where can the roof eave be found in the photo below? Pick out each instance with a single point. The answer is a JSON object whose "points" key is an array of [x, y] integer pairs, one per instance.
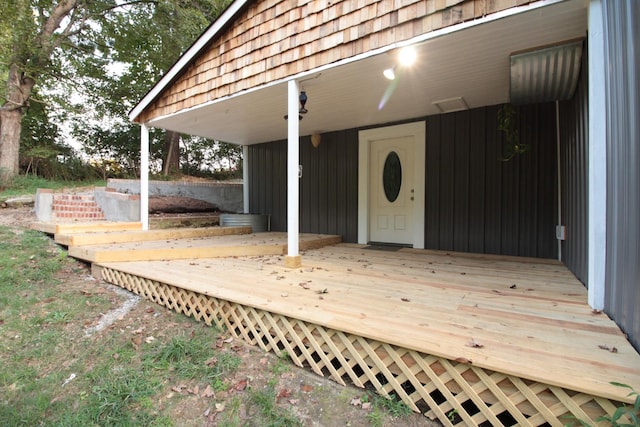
{"points": [[216, 27]]}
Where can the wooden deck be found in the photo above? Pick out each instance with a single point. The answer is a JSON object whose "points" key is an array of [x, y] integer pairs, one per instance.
{"points": [[491, 339]]}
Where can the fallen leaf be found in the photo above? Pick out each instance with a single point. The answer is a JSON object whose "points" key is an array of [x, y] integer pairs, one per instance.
{"points": [[149, 339], [284, 394], [306, 388], [219, 407], [177, 388], [366, 405], [136, 341], [323, 291], [208, 392], [463, 360], [356, 401], [513, 286], [304, 285], [241, 385], [211, 362], [228, 340], [405, 299], [474, 344], [609, 349], [264, 361], [293, 401], [150, 310]]}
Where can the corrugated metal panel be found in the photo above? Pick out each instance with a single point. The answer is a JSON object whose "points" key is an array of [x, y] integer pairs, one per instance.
{"points": [[328, 188], [574, 126], [622, 53], [545, 74], [474, 201]]}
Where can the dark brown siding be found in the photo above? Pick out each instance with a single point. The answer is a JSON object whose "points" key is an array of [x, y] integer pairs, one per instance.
{"points": [[328, 188], [574, 137], [474, 201], [477, 203]]}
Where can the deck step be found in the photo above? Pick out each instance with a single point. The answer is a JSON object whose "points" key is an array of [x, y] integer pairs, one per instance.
{"points": [[83, 239], [84, 227]]}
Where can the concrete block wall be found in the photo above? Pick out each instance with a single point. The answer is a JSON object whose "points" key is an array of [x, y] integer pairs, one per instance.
{"points": [[118, 206], [227, 196]]}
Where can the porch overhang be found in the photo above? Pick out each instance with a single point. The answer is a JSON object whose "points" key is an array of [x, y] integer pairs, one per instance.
{"points": [[468, 60]]}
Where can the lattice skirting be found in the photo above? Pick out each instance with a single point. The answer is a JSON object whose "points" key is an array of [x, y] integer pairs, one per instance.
{"points": [[456, 393]]}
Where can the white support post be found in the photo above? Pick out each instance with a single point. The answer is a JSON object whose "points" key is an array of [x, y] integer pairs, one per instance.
{"points": [[144, 176], [293, 258], [245, 178], [597, 208]]}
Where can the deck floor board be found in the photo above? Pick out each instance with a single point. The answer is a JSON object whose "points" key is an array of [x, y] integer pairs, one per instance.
{"points": [[542, 329]]}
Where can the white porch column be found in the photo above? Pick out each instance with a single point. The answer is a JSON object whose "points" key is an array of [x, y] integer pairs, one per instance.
{"points": [[144, 176], [293, 258], [597, 208], [245, 178]]}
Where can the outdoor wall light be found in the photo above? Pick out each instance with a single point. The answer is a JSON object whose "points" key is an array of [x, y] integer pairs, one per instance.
{"points": [[303, 101]]}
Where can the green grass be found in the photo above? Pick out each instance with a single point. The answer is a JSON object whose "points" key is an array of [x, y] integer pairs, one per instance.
{"points": [[42, 343], [28, 184], [269, 414]]}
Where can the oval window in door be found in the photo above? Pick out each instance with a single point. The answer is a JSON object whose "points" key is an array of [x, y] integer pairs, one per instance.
{"points": [[392, 176]]}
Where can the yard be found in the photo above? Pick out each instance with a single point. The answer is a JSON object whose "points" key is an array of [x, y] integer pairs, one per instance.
{"points": [[77, 351]]}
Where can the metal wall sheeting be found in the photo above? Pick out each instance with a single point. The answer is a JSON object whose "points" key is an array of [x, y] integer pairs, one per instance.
{"points": [[622, 53], [328, 188], [574, 136], [545, 74], [474, 201], [477, 203]]}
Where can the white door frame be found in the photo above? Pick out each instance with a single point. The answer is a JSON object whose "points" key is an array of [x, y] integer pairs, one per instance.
{"points": [[418, 131]]}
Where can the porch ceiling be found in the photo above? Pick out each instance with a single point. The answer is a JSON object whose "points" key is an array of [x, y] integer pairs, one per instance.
{"points": [[472, 63]]}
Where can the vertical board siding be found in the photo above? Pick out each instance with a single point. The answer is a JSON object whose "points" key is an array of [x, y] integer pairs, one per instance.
{"points": [[622, 85], [574, 120], [476, 202], [328, 187]]}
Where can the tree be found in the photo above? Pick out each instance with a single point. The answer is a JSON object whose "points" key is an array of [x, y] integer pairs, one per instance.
{"points": [[146, 41], [31, 32], [68, 44]]}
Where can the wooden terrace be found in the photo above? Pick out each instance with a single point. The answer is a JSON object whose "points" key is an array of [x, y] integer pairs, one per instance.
{"points": [[467, 339]]}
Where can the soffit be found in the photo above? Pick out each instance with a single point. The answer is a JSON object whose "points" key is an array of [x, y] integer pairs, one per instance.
{"points": [[473, 63]]}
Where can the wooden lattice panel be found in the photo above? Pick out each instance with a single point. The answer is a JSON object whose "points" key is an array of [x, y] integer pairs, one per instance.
{"points": [[455, 392]]}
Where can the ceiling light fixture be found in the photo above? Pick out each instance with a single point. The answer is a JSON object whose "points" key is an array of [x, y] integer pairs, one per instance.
{"points": [[390, 73], [407, 56]]}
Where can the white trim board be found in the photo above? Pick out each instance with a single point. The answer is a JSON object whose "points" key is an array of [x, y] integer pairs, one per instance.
{"points": [[419, 131]]}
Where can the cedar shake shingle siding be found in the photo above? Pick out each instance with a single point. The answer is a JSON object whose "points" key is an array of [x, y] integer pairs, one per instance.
{"points": [[271, 40]]}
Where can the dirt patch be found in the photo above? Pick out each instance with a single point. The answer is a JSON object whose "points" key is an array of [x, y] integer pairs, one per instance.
{"points": [[17, 217], [177, 204]]}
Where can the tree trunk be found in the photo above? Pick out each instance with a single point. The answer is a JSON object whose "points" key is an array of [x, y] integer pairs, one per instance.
{"points": [[171, 160], [18, 92]]}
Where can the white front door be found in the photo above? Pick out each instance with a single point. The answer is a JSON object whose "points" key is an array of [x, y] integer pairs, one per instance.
{"points": [[391, 183], [392, 191]]}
